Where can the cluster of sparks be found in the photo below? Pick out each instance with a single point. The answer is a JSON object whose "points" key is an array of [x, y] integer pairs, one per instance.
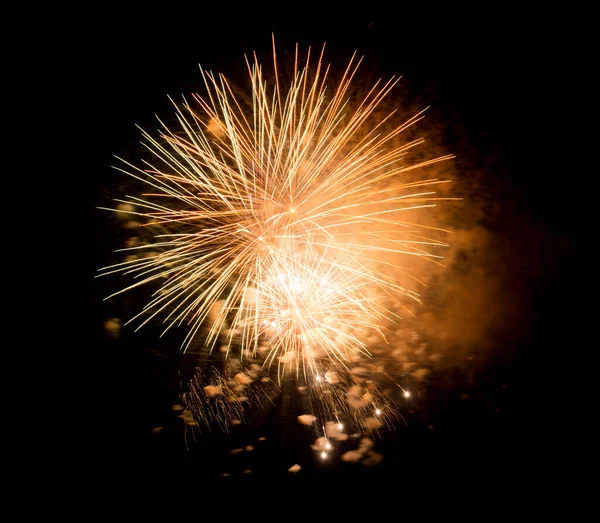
{"points": [[280, 221], [224, 397]]}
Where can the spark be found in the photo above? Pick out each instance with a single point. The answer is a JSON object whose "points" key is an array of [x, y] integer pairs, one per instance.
{"points": [[222, 398]]}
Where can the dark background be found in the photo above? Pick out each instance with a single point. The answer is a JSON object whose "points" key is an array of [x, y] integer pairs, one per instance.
{"points": [[479, 72]]}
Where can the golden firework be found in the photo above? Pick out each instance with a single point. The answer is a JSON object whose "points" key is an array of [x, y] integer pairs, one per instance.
{"points": [[280, 219]]}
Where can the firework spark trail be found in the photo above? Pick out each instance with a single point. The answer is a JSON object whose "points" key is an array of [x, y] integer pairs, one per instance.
{"points": [[358, 402], [224, 398], [288, 210]]}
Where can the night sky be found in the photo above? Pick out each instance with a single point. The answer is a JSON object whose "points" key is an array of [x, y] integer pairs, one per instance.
{"points": [[476, 74]]}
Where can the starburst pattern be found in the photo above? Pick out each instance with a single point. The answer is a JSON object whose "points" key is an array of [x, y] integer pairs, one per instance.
{"points": [[280, 220]]}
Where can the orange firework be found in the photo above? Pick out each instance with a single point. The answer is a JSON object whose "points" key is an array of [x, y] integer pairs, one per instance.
{"points": [[281, 219]]}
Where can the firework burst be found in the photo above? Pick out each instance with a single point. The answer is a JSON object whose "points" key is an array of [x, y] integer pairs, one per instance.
{"points": [[281, 223]]}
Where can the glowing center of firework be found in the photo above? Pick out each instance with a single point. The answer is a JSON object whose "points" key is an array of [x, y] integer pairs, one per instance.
{"points": [[303, 300], [297, 302]]}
